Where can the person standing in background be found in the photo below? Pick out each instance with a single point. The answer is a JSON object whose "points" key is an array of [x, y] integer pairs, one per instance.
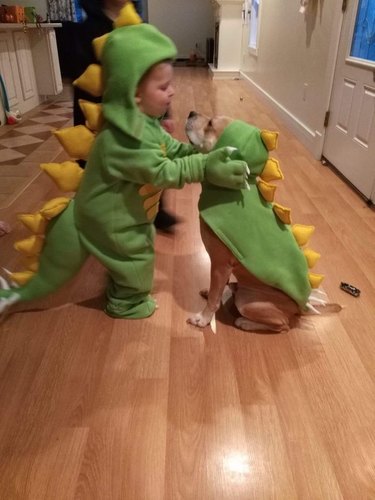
{"points": [[100, 15]]}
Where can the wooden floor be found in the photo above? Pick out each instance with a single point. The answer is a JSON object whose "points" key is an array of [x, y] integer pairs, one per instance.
{"points": [[96, 408]]}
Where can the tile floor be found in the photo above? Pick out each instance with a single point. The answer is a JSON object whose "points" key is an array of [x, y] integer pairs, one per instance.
{"points": [[25, 145]]}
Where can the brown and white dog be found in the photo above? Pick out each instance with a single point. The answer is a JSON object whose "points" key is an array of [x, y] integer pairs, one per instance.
{"points": [[261, 307]]}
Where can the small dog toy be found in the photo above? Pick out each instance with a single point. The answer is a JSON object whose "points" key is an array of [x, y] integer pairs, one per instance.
{"points": [[352, 290]]}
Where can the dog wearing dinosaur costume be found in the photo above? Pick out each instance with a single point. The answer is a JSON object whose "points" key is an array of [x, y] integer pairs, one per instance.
{"points": [[248, 235]]}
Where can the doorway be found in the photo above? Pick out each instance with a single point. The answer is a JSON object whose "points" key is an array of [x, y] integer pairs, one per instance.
{"points": [[350, 135]]}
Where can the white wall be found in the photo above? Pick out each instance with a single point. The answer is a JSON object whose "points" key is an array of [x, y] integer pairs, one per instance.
{"points": [[186, 22], [40, 5], [295, 61]]}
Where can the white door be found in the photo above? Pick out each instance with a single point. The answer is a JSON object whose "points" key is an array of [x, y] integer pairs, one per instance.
{"points": [[350, 136], [250, 25]]}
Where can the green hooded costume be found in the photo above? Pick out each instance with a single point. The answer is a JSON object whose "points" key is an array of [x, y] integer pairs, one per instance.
{"points": [[131, 159], [257, 231]]}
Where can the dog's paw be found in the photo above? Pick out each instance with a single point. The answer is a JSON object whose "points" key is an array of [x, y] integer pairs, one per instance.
{"points": [[199, 319], [6, 303], [7, 296]]}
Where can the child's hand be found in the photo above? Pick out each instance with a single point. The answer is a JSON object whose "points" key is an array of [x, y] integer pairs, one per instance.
{"points": [[224, 172]]}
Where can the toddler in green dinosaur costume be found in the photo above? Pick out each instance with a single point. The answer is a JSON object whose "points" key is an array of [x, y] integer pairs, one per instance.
{"points": [[131, 161]]}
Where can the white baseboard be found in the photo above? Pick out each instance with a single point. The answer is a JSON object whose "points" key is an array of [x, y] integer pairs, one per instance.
{"points": [[312, 140], [223, 74]]}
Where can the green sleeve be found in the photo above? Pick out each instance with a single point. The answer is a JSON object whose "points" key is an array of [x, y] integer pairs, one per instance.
{"points": [[176, 149], [150, 165]]}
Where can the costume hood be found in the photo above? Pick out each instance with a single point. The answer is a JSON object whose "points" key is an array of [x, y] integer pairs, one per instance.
{"points": [[128, 54]]}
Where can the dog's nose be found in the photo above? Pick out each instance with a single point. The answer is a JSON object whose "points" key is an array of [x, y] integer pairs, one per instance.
{"points": [[192, 114]]}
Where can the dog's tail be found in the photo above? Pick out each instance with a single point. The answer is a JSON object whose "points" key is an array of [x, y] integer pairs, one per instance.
{"points": [[317, 304]]}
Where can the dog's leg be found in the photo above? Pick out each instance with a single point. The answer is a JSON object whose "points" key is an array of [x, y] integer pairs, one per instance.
{"points": [[264, 309], [222, 263], [219, 278], [277, 325]]}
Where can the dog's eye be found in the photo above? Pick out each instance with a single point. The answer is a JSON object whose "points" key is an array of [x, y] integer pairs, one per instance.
{"points": [[209, 124]]}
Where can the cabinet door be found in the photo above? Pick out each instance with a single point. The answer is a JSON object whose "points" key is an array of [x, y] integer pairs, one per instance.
{"points": [[55, 65], [46, 61], [25, 67], [9, 69]]}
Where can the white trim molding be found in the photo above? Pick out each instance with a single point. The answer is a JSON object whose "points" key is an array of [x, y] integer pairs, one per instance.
{"points": [[218, 74], [311, 139]]}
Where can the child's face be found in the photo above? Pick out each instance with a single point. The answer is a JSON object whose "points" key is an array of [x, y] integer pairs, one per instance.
{"points": [[155, 91]]}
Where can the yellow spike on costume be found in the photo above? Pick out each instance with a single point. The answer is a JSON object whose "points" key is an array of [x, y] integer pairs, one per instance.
{"points": [[266, 190], [302, 233], [283, 213], [31, 262], [35, 223], [98, 44], [30, 246], [128, 16], [66, 175], [315, 280], [272, 171], [91, 80], [54, 207], [22, 277], [312, 257], [93, 114], [76, 141], [269, 139]]}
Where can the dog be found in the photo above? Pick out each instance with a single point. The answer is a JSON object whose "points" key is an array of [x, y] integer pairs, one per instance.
{"points": [[262, 303]]}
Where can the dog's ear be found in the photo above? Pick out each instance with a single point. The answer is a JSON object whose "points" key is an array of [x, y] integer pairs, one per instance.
{"points": [[219, 123]]}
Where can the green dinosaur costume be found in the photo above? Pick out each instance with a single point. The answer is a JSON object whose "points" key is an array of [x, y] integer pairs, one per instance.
{"points": [[131, 159], [257, 231]]}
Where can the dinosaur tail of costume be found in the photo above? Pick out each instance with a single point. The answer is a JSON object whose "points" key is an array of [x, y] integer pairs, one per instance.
{"points": [[62, 256], [53, 253]]}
